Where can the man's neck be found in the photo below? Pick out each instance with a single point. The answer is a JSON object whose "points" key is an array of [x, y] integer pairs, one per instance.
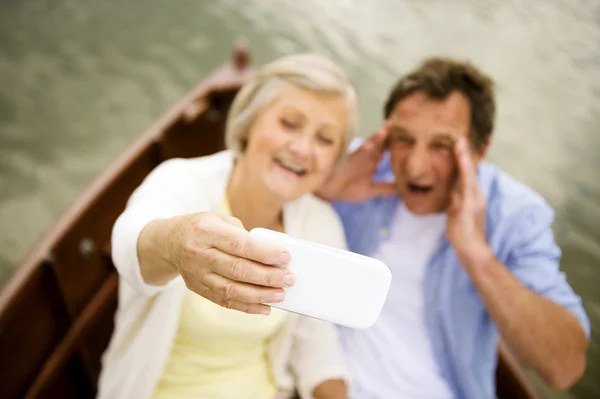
{"points": [[250, 204]]}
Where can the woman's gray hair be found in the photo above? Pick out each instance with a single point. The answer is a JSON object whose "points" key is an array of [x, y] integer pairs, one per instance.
{"points": [[308, 71]]}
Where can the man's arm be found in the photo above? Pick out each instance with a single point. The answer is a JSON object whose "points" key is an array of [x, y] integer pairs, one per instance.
{"points": [[543, 334]]}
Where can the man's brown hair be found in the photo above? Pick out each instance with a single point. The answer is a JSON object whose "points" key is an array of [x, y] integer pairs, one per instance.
{"points": [[437, 78]]}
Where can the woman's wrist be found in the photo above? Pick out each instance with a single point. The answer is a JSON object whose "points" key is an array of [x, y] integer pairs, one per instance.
{"points": [[156, 251]]}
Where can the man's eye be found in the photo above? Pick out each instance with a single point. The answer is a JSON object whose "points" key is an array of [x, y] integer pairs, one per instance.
{"points": [[402, 139], [442, 146]]}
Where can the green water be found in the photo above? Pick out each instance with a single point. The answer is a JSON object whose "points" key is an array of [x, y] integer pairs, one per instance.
{"points": [[81, 79]]}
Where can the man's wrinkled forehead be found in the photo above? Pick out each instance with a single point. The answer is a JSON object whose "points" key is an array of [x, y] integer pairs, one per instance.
{"points": [[397, 130], [417, 113]]}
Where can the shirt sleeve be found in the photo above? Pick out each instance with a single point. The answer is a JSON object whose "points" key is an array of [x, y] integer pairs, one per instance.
{"points": [[535, 260], [316, 356], [158, 197]]}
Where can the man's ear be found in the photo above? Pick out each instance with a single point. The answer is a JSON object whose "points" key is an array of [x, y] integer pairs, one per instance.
{"points": [[481, 152], [386, 143]]}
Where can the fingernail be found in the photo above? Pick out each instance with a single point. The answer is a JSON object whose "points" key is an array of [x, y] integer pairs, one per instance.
{"points": [[264, 311], [289, 280], [278, 297], [285, 257]]}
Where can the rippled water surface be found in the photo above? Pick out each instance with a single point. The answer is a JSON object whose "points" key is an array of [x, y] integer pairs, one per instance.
{"points": [[81, 79]]}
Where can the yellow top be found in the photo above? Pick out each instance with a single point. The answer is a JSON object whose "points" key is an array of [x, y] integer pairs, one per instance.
{"points": [[219, 353]]}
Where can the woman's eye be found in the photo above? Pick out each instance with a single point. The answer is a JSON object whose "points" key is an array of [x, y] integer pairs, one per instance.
{"points": [[288, 123], [325, 140]]}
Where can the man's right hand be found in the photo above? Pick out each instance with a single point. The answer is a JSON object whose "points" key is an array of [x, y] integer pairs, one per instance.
{"points": [[352, 180], [219, 260]]}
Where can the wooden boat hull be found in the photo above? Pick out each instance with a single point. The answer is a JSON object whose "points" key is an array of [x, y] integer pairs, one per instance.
{"points": [[56, 312]]}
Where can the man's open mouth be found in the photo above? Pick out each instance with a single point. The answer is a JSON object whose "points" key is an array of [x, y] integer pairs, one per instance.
{"points": [[419, 189], [292, 167]]}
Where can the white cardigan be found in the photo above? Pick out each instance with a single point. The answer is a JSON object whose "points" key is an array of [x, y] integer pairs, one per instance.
{"points": [[303, 355]]}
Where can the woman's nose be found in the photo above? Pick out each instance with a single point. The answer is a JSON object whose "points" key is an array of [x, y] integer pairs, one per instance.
{"points": [[301, 145]]}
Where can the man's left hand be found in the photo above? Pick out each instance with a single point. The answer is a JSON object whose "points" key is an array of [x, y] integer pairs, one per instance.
{"points": [[467, 210], [352, 179]]}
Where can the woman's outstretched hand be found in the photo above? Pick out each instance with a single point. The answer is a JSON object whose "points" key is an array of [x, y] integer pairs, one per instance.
{"points": [[217, 258]]}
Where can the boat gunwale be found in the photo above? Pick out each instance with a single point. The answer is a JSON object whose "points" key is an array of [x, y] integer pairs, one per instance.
{"points": [[227, 77]]}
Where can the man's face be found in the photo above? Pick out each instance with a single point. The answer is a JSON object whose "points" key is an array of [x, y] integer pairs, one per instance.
{"points": [[422, 134]]}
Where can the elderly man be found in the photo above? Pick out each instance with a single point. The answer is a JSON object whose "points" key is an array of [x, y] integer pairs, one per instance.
{"points": [[471, 249]]}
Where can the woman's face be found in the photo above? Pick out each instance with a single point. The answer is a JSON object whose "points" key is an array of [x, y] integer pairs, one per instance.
{"points": [[294, 142]]}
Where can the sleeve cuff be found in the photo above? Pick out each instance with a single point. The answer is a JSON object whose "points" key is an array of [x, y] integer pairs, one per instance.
{"points": [[311, 381], [124, 239]]}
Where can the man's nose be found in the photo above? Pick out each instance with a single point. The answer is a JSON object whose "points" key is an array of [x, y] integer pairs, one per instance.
{"points": [[417, 163]]}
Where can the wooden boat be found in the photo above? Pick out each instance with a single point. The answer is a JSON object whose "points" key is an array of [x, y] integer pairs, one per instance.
{"points": [[56, 312]]}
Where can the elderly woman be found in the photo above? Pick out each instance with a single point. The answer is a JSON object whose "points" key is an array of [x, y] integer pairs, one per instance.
{"points": [[188, 264]]}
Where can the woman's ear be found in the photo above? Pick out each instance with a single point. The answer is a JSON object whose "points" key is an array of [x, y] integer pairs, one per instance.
{"points": [[243, 144]]}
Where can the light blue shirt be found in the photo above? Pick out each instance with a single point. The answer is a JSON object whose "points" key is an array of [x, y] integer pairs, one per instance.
{"points": [[463, 336]]}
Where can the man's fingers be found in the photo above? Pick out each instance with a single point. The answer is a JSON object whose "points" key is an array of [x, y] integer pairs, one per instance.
{"points": [[230, 291], [383, 189], [455, 200], [240, 243], [375, 144], [248, 271], [467, 171], [379, 137]]}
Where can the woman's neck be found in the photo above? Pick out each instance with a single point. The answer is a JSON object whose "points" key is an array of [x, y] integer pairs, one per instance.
{"points": [[253, 206]]}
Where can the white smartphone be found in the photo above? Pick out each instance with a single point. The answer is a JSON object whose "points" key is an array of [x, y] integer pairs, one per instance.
{"points": [[334, 285]]}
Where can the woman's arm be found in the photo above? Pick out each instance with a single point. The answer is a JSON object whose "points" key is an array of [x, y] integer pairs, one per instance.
{"points": [[154, 241], [156, 200]]}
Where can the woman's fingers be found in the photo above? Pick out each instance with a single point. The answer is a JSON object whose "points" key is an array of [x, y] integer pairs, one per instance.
{"points": [[230, 267], [245, 270], [240, 243], [232, 221], [251, 308], [233, 293]]}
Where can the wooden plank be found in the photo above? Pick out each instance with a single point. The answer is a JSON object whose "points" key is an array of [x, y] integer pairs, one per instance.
{"points": [[31, 326], [56, 362], [203, 135], [79, 265], [71, 383]]}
